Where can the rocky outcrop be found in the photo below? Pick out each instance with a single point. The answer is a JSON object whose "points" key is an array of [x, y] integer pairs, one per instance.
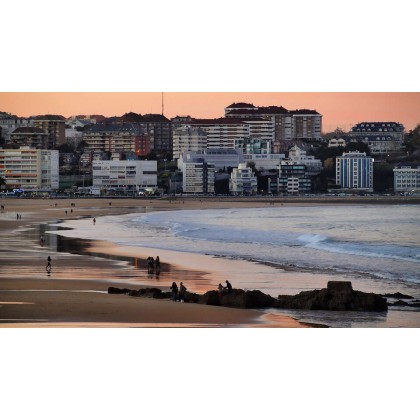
{"points": [[397, 295], [338, 296]]}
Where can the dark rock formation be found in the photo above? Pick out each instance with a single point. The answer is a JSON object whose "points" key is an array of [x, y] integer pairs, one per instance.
{"points": [[397, 295], [399, 303], [338, 296]]}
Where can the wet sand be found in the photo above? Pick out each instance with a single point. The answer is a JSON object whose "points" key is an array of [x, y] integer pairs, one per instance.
{"points": [[74, 294]]}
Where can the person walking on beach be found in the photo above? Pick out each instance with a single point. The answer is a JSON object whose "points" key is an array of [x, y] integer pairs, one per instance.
{"points": [[150, 265], [220, 288], [182, 290], [174, 289], [42, 240], [228, 286], [48, 266], [94, 221]]}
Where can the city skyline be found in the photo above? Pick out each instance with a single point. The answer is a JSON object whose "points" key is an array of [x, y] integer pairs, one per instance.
{"points": [[339, 109]]}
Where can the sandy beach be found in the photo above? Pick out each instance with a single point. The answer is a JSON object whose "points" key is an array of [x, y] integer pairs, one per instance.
{"points": [[74, 294]]}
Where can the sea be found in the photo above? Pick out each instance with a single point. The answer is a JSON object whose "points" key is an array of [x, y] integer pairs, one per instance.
{"points": [[288, 249]]}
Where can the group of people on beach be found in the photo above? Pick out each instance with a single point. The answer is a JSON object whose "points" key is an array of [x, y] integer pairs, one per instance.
{"points": [[178, 295], [153, 265]]}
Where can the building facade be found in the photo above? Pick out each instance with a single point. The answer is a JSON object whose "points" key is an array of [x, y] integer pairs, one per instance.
{"points": [[9, 123], [354, 171], [407, 177], [29, 136], [243, 181], [54, 126], [381, 137], [198, 177], [29, 168], [221, 159], [188, 138], [124, 175], [293, 179], [299, 156]]}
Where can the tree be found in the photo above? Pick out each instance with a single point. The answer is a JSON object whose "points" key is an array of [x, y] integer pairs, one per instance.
{"points": [[412, 141]]}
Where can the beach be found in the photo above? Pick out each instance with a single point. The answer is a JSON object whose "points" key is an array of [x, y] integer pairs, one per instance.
{"points": [[75, 294]]}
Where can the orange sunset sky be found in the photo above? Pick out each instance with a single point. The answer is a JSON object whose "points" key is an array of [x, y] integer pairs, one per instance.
{"points": [[338, 109]]}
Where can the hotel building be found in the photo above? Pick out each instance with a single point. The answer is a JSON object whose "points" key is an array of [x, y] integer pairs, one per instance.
{"points": [[381, 137], [354, 170], [30, 169]]}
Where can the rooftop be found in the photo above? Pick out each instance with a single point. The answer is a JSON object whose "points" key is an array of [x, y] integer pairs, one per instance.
{"points": [[28, 130]]}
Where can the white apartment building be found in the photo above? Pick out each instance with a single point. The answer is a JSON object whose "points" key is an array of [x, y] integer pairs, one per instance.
{"points": [[29, 168], [407, 177], [337, 143], [124, 175], [198, 177], [219, 158], [243, 180], [354, 170], [188, 138]]}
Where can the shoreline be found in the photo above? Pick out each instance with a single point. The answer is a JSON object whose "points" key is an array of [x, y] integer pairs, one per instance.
{"points": [[26, 292]]}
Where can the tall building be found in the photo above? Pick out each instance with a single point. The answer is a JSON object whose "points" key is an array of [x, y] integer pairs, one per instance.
{"points": [[124, 175], [188, 138], [298, 156], [243, 181], [407, 177], [354, 170], [198, 177], [381, 137], [29, 168], [54, 126]]}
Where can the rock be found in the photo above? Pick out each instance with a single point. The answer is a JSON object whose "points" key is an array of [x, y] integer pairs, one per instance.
{"points": [[338, 296], [397, 295], [151, 292], [118, 291], [399, 303], [239, 298], [210, 298]]}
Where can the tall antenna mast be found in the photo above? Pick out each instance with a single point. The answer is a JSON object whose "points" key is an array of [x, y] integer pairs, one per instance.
{"points": [[162, 103]]}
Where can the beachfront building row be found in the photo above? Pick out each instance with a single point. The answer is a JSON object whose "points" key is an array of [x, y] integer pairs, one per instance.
{"points": [[123, 176], [354, 171], [30, 169], [407, 177]]}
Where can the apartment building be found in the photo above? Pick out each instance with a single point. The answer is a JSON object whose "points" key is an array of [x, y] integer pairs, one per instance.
{"points": [[124, 175], [29, 136], [381, 137], [293, 179], [299, 156], [54, 126], [243, 181], [407, 177], [288, 127], [29, 168], [117, 137], [354, 170], [198, 177], [188, 138]]}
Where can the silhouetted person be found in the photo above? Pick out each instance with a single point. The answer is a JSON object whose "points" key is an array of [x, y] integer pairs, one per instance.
{"points": [[228, 286], [182, 290], [174, 289], [48, 266]]}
